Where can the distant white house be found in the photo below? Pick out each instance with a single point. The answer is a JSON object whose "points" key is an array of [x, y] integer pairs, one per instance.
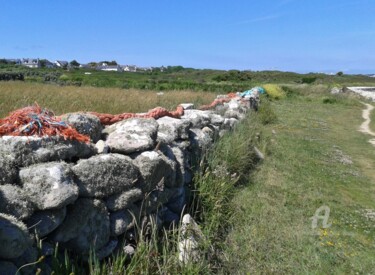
{"points": [[61, 64], [110, 68], [31, 62], [130, 68]]}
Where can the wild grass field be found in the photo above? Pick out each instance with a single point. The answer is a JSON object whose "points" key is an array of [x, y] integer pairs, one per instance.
{"points": [[64, 99]]}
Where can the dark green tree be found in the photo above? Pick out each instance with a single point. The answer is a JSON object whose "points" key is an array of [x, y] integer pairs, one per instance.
{"points": [[74, 63]]}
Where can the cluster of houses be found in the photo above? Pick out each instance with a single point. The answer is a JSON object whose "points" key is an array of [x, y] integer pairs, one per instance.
{"points": [[103, 66]]}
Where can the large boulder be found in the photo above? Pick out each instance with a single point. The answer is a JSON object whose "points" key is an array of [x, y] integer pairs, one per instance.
{"points": [[86, 226], [30, 150], [156, 170], [104, 175], [14, 237], [84, 123], [124, 200], [171, 129], [132, 135], [13, 201], [44, 222], [8, 168], [200, 142], [49, 185]]}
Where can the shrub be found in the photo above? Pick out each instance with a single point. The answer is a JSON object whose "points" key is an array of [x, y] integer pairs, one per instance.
{"points": [[63, 77], [308, 80], [274, 91], [329, 100]]}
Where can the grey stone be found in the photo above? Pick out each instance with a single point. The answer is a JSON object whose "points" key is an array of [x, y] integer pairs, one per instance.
{"points": [[30, 150], [29, 256], [7, 268], [207, 130], [8, 168], [129, 250], [124, 200], [44, 222], [123, 220], [85, 226], [178, 156], [187, 106], [14, 237], [84, 123], [132, 135], [167, 216], [47, 248], [107, 249], [200, 141], [336, 90], [183, 158], [177, 200], [171, 129], [13, 201], [102, 147], [229, 123], [155, 169], [236, 106], [190, 238], [216, 119], [49, 185], [104, 175], [198, 118], [155, 200], [234, 114]]}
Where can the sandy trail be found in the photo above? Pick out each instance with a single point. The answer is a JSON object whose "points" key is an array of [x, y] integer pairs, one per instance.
{"points": [[365, 126]]}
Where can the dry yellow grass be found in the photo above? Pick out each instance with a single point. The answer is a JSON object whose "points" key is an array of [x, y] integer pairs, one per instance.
{"points": [[14, 95]]}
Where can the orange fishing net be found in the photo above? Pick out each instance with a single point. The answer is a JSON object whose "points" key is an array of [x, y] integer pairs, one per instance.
{"points": [[218, 101], [35, 121], [158, 112]]}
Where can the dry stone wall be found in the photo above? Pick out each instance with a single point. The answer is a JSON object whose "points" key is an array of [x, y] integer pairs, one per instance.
{"points": [[91, 196]]}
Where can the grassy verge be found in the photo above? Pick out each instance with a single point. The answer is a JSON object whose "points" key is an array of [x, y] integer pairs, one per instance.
{"points": [[317, 157]]}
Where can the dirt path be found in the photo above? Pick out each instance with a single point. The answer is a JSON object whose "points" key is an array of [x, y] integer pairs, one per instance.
{"points": [[365, 126]]}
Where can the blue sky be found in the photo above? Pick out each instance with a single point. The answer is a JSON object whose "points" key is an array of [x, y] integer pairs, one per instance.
{"points": [[287, 35]]}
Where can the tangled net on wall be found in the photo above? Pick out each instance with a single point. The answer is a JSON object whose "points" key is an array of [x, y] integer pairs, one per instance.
{"points": [[35, 121], [158, 112]]}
